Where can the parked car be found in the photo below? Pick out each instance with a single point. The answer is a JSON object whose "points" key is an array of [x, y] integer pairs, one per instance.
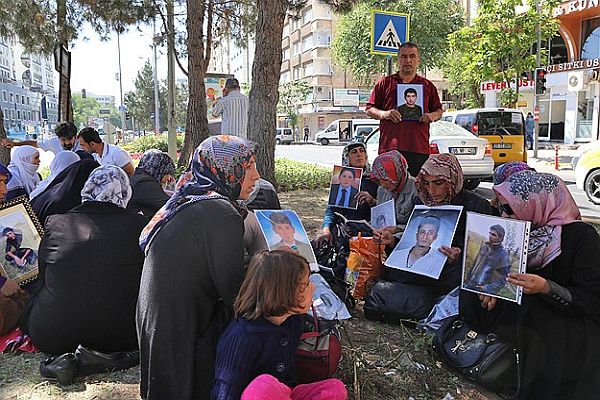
{"points": [[587, 172], [284, 136], [346, 130], [473, 153], [504, 128]]}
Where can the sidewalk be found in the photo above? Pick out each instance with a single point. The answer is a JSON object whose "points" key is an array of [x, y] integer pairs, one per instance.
{"points": [[545, 162]]}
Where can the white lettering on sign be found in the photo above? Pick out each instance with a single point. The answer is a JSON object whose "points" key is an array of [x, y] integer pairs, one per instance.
{"points": [[573, 65], [491, 86], [575, 6]]}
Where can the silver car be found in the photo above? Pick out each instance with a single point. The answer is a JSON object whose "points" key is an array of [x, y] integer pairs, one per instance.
{"points": [[473, 153]]}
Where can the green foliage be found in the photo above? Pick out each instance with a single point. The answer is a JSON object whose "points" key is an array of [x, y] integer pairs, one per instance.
{"points": [[291, 96], [294, 175], [498, 45], [89, 107], [148, 142], [430, 23]]}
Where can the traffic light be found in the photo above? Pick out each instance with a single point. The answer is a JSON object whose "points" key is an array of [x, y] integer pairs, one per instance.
{"points": [[127, 116], [540, 81], [83, 94]]}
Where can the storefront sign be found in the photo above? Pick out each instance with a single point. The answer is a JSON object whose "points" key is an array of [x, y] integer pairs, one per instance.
{"points": [[521, 104], [573, 65], [498, 86], [345, 97], [575, 6]]}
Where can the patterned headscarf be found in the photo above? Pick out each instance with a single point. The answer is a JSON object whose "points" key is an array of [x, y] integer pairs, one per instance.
{"points": [[108, 184], [157, 164], [544, 200], [505, 170], [22, 168], [217, 169], [391, 166], [346, 155], [445, 167]]}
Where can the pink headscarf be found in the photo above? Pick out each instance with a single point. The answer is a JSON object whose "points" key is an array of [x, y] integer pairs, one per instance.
{"points": [[391, 166], [445, 167], [544, 200]]}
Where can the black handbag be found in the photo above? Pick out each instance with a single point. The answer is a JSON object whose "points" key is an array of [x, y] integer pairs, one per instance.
{"points": [[483, 359]]}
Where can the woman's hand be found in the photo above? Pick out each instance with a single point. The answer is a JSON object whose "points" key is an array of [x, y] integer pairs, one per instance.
{"points": [[324, 236], [384, 236], [365, 198], [531, 283], [487, 302], [453, 253], [10, 288]]}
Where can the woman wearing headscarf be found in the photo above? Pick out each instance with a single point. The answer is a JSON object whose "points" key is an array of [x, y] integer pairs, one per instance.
{"points": [[502, 172], [557, 325], [154, 170], [390, 170], [404, 295], [85, 297], [61, 161], [64, 191], [193, 270], [24, 163]]}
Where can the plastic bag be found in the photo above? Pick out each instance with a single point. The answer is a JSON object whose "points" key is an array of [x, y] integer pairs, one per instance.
{"points": [[364, 264], [327, 304], [445, 308]]}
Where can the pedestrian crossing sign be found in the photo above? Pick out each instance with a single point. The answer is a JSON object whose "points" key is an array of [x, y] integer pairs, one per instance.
{"points": [[388, 31]]}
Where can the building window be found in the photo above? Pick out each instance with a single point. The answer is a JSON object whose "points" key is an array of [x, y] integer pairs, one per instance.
{"points": [[17, 98], [4, 96], [590, 30], [307, 69], [307, 16], [296, 73], [307, 43], [12, 99], [286, 30], [18, 114], [285, 54], [558, 50]]}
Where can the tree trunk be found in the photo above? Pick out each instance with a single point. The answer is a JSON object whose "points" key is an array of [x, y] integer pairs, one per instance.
{"points": [[262, 115], [197, 122], [65, 108], [4, 152]]}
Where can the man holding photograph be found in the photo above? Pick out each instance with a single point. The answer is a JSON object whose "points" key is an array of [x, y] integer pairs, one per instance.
{"points": [[491, 265], [411, 138]]}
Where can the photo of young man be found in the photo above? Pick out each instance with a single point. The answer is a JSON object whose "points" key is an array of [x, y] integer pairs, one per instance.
{"points": [[410, 110]]}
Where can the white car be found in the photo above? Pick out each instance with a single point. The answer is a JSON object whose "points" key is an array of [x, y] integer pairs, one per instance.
{"points": [[284, 136], [473, 153]]}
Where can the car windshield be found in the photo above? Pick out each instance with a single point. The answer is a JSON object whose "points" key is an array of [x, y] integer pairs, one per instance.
{"points": [[500, 123], [443, 128]]}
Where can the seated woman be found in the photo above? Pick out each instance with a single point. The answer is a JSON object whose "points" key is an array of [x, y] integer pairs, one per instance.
{"points": [[404, 295], [24, 163], [557, 325], [263, 197], [61, 161], [154, 170], [502, 172], [353, 155], [90, 267], [255, 355], [390, 170], [64, 192]]}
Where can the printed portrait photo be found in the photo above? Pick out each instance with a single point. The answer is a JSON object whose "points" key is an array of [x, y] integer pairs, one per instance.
{"points": [[383, 215], [410, 101], [284, 230], [345, 185], [428, 229], [494, 247], [19, 243]]}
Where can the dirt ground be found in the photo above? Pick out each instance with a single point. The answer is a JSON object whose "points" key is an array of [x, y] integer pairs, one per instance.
{"points": [[380, 362]]}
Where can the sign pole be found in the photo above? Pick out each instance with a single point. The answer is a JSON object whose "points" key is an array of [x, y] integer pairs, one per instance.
{"points": [[536, 97], [389, 64]]}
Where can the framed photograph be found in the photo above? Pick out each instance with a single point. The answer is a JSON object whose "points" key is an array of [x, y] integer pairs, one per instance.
{"points": [[284, 230], [410, 101], [20, 241], [494, 247], [345, 185], [383, 215], [418, 250]]}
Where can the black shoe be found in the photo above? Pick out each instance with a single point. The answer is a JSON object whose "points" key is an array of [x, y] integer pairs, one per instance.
{"points": [[63, 368], [93, 362]]}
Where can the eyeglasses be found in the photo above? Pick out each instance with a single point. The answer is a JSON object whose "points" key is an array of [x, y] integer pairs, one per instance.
{"points": [[505, 208], [304, 285], [356, 150]]}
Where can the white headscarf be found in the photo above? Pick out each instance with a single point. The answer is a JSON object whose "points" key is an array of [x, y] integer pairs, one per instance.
{"points": [[62, 160], [24, 172], [108, 184]]}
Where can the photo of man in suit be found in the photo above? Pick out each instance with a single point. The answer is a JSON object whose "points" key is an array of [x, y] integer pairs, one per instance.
{"points": [[410, 110], [283, 227], [344, 194]]}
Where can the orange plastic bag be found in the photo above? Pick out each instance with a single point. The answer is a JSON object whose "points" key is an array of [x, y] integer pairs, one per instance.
{"points": [[364, 264]]}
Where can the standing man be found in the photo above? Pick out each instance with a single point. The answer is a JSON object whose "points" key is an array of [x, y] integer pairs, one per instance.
{"points": [[306, 132], [233, 108], [105, 153], [529, 128], [64, 140], [411, 138]]}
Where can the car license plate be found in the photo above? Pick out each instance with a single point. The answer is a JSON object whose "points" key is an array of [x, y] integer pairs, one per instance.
{"points": [[501, 146], [463, 150]]}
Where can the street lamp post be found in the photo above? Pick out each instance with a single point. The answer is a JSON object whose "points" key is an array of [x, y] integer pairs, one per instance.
{"points": [[122, 107], [156, 100]]}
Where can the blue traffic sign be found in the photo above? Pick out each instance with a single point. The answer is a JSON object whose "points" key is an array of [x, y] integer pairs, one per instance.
{"points": [[388, 31]]}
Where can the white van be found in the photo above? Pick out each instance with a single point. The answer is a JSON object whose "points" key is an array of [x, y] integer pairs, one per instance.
{"points": [[346, 130], [284, 136]]}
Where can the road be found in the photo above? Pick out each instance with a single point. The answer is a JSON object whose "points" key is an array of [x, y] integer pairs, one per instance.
{"points": [[327, 156]]}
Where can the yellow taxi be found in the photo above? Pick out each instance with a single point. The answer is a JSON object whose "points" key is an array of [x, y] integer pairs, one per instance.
{"points": [[587, 171]]}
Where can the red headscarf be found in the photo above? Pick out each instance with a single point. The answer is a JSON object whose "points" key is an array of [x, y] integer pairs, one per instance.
{"points": [[391, 166]]}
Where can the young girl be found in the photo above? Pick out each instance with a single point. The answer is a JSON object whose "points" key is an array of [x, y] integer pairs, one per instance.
{"points": [[255, 355]]}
